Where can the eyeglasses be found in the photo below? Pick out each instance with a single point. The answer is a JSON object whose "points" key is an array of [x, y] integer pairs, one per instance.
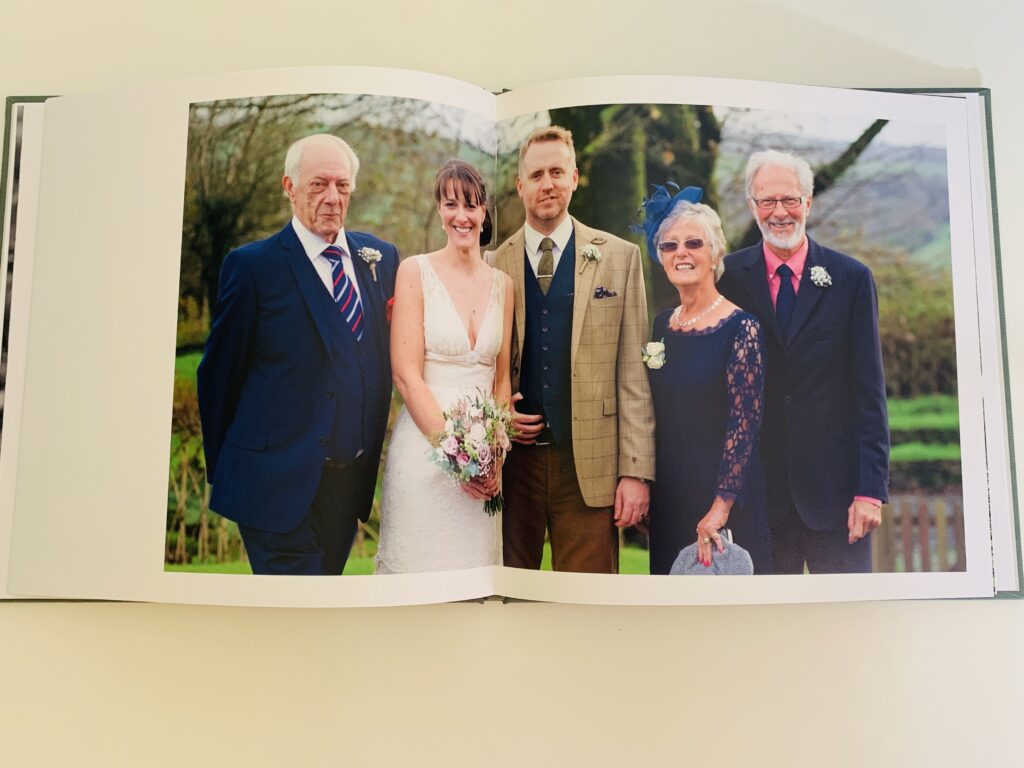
{"points": [[769, 203], [668, 247]]}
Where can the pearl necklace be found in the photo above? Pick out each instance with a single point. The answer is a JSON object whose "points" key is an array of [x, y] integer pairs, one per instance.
{"points": [[680, 324]]}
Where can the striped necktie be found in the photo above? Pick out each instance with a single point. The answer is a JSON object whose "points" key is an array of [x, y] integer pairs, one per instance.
{"points": [[344, 292]]}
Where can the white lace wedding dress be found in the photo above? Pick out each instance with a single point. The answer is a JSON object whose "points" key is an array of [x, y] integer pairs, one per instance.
{"points": [[426, 522]]}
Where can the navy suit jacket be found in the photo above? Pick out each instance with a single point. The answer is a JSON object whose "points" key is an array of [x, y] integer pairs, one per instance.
{"points": [[825, 435], [267, 395]]}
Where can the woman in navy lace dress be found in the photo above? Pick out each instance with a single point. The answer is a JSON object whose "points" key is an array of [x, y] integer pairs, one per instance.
{"points": [[708, 388]]}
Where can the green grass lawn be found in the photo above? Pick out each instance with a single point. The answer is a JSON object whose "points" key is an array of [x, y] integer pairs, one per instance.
{"points": [[185, 365], [631, 560], [926, 412], [910, 452]]}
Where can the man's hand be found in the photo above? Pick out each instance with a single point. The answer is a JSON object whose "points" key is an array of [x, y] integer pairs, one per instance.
{"points": [[526, 425], [863, 517], [632, 497]]}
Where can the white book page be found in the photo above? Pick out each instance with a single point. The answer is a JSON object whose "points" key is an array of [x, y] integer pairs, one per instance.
{"points": [[91, 497], [19, 224], [1005, 543]]}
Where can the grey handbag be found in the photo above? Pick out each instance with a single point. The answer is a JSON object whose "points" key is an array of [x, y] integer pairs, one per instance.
{"points": [[734, 561]]}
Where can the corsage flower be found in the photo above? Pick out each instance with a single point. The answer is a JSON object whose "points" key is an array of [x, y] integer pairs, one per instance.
{"points": [[590, 253], [653, 354], [820, 277], [371, 256]]}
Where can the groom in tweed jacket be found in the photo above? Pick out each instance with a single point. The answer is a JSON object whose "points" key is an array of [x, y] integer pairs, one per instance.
{"points": [[583, 406]]}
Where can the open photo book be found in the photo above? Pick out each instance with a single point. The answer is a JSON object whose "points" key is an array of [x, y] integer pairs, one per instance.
{"points": [[193, 384]]}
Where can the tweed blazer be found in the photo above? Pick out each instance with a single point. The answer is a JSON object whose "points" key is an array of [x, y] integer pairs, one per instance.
{"points": [[612, 413]]}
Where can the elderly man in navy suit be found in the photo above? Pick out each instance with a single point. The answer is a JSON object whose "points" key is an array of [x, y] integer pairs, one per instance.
{"points": [[295, 381], [825, 436]]}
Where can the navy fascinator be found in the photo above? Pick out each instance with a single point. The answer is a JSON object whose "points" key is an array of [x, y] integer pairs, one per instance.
{"points": [[658, 206]]}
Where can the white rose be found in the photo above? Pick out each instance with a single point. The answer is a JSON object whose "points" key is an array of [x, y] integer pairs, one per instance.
{"points": [[655, 348], [655, 363], [478, 433]]}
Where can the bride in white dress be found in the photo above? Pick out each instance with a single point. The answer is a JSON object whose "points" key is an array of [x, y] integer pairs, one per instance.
{"points": [[450, 336]]}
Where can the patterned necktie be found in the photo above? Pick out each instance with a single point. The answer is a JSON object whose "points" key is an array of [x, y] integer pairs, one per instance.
{"points": [[786, 299], [546, 267], [344, 291]]}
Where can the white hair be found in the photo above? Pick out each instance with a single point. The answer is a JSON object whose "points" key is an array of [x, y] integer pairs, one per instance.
{"points": [[798, 165], [709, 219], [293, 158]]}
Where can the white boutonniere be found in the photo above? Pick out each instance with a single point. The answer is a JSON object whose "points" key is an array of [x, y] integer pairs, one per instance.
{"points": [[820, 277], [590, 253], [653, 354], [371, 256]]}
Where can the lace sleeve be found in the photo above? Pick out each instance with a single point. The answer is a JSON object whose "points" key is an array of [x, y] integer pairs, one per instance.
{"points": [[744, 377]]}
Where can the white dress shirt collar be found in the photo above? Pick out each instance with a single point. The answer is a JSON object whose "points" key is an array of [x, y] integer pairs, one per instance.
{"points": [[561, 237], [312, 243], [314, 246]]}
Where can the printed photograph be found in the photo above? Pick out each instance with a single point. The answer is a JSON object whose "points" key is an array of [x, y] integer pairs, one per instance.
{"points": [[282, 395], [715, 340], [783, 435]]}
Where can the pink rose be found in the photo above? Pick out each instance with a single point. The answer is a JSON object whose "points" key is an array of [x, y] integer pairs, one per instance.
{"points": [[463, 459], [450, 445], [484, 455]]}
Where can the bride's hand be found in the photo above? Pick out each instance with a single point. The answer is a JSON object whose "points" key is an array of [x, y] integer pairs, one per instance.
{"points": [[484, 487], [475, 490]]}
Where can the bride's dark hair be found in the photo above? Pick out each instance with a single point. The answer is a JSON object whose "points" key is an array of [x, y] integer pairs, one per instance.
{"points": [[465, 181]]}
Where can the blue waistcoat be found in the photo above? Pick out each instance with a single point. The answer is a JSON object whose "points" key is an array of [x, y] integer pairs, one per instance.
{"points": [[545, 378], [354, 376]]}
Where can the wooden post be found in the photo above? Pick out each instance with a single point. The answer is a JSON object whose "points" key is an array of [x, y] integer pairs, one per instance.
{"points": [[924, 526], [907, 532], [958, 532], [942, 533]]}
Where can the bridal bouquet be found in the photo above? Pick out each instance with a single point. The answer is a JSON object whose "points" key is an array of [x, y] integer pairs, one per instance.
{"points": [[476, 437]]}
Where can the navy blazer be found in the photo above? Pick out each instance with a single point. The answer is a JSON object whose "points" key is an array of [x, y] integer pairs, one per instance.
{"points": [[825, 435], [266, 395]]}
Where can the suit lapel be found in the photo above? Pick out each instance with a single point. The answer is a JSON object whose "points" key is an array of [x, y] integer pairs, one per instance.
{"points": [[510, 260], [369, 289], [809, 294], [369, 292], [310, 285], [754, 279], [584, 280]]}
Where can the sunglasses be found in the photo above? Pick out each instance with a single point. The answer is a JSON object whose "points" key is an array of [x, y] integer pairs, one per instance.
{"points": [[668, 247]]}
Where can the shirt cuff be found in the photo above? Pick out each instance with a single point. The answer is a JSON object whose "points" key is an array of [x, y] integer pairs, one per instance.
{"points": [[869, 500]]}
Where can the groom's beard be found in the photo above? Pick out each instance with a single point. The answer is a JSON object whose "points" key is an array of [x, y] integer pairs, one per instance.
{"points": [[778, 241]]}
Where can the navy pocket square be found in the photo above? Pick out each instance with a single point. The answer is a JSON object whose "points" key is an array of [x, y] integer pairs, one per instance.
{"points": [[602, 293]]}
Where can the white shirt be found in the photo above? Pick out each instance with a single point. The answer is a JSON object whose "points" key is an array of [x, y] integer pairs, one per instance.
{"points": [[314, 246], [561, 237]]}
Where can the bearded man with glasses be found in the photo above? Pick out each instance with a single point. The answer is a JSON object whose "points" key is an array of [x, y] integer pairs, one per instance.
{"points": [[825, 435]]}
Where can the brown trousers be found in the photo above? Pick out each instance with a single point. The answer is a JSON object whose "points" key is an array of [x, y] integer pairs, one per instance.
{"points": [[542, 494]]}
